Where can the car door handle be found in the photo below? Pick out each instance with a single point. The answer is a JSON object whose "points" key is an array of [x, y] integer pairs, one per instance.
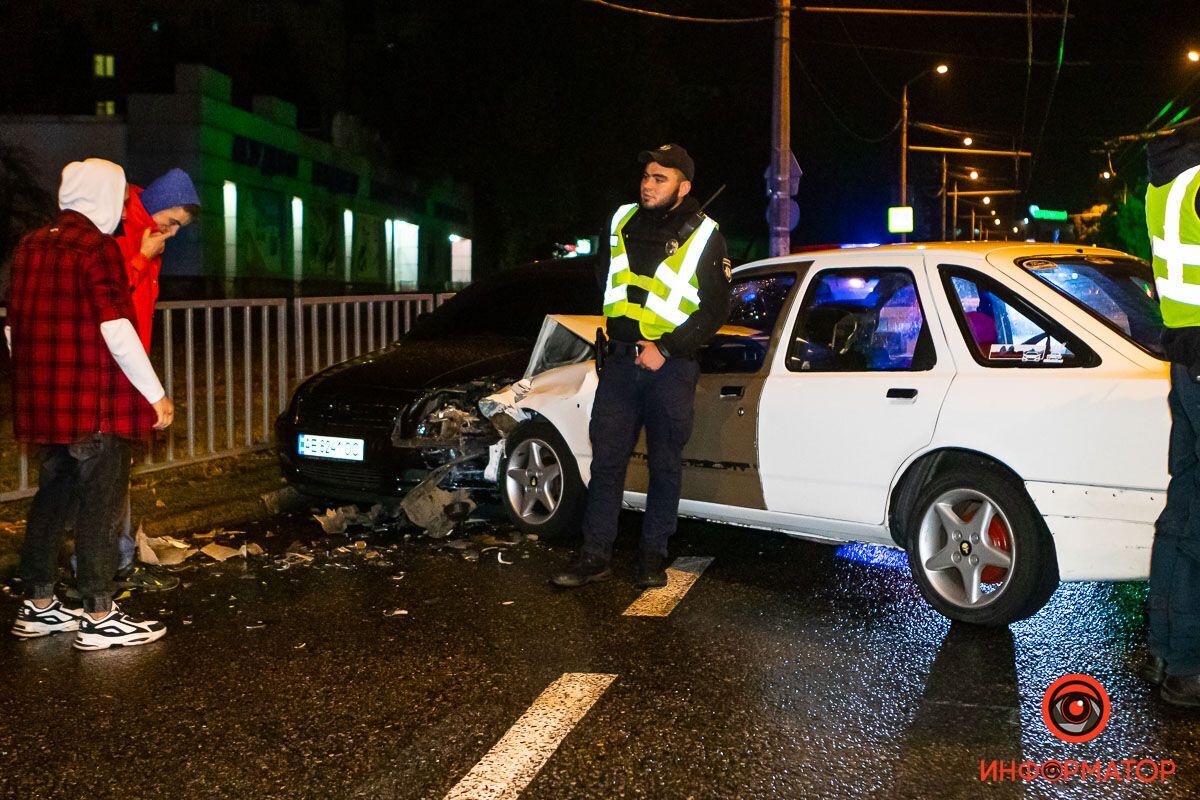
{"points": [[732, 392], [901, 394]]}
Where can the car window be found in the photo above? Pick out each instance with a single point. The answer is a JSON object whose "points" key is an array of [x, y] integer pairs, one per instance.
{"points": [[1116, 290], [755, 304], [1003, 330], [861, 320]]}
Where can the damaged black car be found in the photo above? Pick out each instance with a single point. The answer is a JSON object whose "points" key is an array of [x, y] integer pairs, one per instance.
{"points": [[373, 427]]}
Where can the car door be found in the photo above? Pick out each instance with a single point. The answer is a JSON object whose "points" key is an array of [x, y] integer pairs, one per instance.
{"points": [[720, 461], [855, 387]]}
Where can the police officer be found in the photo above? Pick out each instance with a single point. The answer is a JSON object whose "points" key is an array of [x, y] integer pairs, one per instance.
{"points": [[1174, 227], [666, 293]]}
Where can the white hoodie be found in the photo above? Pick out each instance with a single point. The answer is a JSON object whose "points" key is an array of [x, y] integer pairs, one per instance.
{"points": [[96, 189]]}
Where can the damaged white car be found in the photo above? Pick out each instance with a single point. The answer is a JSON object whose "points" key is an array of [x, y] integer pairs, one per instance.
{"points": [[996, 410]]}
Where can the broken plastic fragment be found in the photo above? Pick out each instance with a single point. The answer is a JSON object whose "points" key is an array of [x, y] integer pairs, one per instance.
{"points": [[396, 612], [500, 558], [219, 552], [162, 550]]}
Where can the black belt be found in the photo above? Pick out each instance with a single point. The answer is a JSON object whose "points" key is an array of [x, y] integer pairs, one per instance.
{"points": [[615, 348]]}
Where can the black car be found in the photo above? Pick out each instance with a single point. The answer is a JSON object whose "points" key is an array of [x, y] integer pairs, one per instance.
{"points": [[374, 426]]}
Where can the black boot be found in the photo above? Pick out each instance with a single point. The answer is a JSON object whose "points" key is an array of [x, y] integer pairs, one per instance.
{"points": [[1181, 690], [651, 571], [1153, 670], [587, 569]]}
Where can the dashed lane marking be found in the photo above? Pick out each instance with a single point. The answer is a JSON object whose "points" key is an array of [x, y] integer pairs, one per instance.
{"points": [[522, 752], [680, 577]]}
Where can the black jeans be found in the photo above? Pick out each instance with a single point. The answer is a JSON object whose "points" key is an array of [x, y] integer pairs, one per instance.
{"points": [[627, 398], [92, 475], [1175, 558]]}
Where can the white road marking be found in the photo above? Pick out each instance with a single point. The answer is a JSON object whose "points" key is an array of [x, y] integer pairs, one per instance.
{"points": [[680, 577], [522, 752]]}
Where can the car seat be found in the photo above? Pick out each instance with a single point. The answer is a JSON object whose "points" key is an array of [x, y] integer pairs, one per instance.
{"points": [[983, 331]]}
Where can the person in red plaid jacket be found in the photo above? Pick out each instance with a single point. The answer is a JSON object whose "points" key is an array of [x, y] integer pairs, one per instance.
{"points": [[83, 388]]}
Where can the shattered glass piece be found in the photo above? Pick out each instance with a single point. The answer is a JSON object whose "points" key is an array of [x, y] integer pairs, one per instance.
{"points": [[396, 612]]}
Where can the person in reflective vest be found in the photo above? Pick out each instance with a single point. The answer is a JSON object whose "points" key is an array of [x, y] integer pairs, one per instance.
{"points": [[1174, 600], [666, 293]]}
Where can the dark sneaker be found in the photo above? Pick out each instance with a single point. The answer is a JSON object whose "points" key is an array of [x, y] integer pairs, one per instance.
{"points": [[1154, 670], [652, 573], [117, 629], [137, 577], [33, 622], [588, 569], [1181, 690]]}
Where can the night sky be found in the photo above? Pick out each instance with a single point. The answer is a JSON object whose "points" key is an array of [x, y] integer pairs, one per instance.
{"points": [[542, 105], [551, 99]]}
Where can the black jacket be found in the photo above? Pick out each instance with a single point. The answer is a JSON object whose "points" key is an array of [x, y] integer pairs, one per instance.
{"points": [[646, 237]]}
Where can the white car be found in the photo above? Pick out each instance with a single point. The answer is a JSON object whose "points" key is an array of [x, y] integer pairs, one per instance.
{"points": [[997, 410]]}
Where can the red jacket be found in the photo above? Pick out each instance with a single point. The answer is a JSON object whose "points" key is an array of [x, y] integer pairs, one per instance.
{"points": [[142, 271], [67, 278]]}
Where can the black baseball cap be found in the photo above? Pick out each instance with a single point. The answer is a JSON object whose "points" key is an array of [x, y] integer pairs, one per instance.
{"points": [[670, 155]]}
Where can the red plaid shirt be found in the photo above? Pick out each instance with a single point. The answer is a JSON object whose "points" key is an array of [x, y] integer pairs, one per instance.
{"points": [[68, 278]]}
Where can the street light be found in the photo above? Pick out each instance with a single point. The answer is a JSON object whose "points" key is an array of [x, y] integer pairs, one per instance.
{"points": [[1106, 175], [940, 69], [968, 141], [987, 201], [974, 174], [1193, 56]]}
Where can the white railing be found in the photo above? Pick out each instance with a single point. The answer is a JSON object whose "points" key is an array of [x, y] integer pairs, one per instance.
{"points": [[225, 364]]}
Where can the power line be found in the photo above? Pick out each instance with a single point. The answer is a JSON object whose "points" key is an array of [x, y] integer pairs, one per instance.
{"points": [[834, 114], [1028, 71], [863, 61], [679, 17], [1062, 44], [921, 12]]}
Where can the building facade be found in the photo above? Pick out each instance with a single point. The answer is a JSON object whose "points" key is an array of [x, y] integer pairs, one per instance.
{"points": [[283, 211]]}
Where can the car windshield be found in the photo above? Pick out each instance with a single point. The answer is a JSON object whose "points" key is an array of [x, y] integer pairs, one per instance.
{"points": [[514, 304], [1119, 291]]}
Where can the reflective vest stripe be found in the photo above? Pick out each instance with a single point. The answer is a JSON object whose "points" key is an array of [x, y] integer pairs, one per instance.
{"points": [[1174, 253], [615, 291], [680, 283]]}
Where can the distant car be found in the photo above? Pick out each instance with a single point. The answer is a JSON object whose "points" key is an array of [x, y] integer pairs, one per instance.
{"points": [[996, 410], [369, 428]]}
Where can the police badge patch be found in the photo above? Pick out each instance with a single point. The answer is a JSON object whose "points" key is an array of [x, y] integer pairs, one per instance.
{"points": [[672, 248], [728, 265]]}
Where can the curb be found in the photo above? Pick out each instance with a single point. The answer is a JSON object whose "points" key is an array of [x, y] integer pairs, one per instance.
{"points": [[218, 515]]}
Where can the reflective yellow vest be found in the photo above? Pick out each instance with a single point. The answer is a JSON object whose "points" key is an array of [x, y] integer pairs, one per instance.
{"points": [[672, 293], [1175, 240]]}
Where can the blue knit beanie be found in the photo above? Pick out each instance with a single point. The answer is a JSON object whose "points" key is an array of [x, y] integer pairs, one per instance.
{"points": [[171, 190]]}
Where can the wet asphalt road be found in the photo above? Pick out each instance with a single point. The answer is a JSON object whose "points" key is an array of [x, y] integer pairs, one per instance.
{"points": [[791, 670]]}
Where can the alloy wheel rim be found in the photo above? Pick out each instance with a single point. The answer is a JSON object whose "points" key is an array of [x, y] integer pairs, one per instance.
{"points": [[966, 549], [533, 481]]}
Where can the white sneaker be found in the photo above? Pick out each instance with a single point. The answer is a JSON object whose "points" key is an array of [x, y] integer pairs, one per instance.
{"points": [[116, 629], [33, 622]]}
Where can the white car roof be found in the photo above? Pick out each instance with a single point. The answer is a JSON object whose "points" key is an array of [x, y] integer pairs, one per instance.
{"points": [[940, 250]]}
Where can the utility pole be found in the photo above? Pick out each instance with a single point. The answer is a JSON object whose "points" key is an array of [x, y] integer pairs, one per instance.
{"points": [[904, 152], [779, 188], [954, 213], [943, 197]]}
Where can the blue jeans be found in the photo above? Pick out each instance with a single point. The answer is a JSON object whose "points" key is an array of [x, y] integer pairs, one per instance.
{"points": [[1175, 558], [627, 398], [93, 476]]}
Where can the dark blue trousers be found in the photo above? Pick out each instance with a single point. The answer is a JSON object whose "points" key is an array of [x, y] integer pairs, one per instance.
{"points": [[628, 398], [1175, 558]]}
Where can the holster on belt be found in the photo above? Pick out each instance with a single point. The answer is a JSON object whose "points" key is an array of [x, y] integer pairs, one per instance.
{"points": [[601, 349]]}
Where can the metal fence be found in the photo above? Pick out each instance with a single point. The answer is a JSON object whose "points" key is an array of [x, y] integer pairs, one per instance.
{"points": [[226, 365]]}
